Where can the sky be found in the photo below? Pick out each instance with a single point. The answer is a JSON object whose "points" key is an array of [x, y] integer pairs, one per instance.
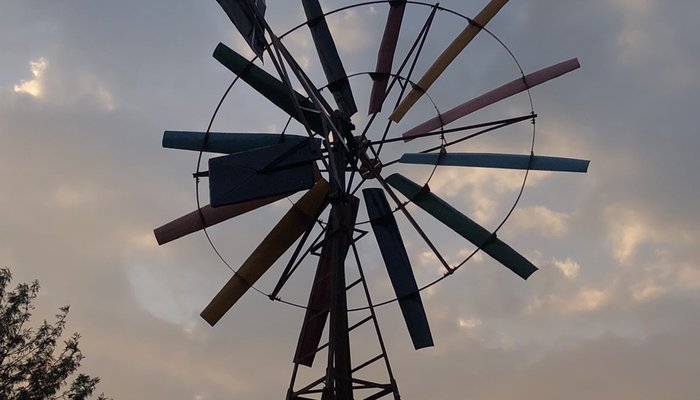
{"points": [[87, 88]]}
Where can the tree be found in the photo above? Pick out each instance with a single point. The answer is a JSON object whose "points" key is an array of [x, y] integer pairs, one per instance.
{"points": [[33, 363]]}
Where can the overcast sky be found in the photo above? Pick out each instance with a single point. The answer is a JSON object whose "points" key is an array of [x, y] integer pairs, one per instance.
{"points": [[88, 87]]}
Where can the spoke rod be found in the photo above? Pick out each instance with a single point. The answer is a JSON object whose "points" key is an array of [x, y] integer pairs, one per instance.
{"points": [[405, 212], [293, 264], [422, 37], [473, 135], [418, 43], [507, 121], [374, 320]]}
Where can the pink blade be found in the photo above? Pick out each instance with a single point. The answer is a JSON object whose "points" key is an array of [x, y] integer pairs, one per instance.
{"points": [[494, 96], [209, 216], [385, 57]]}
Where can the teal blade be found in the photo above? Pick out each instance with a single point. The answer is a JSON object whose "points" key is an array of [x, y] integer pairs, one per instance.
{"points": [[462, 225], [270, 87], [224, 142], [507, 161]]}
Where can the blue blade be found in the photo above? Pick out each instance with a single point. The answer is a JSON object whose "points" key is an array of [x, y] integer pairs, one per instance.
{"points": [[488, 160], [398, 266], [463, 225], [269, 171]]}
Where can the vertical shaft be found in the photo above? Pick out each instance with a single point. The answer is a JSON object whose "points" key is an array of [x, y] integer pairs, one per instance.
{"points": [[339, 374]]}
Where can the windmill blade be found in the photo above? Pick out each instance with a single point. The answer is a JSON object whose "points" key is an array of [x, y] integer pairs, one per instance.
{"points": [[506, 161], [330, 60], [494, 96], [398, 266], [243, 15], [447, 56], [205, 217], [298, 219], [462, 225], [224, 142], [320, 297], [385, 57], [281, 169], [270, 87]]}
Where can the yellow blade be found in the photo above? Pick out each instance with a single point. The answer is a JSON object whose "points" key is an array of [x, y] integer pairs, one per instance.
{"points": [[447, 56], [298, 219]]}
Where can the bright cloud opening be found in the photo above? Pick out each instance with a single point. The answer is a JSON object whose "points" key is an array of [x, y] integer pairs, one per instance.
{"points": [[34, 87], [568, 267]]}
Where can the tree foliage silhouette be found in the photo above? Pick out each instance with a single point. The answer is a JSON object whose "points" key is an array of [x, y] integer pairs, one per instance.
{"points": [[34, 364]]}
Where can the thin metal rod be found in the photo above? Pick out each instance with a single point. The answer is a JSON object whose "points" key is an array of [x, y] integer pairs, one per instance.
{"points": [[375, 322], [422, 36], [407, 214], [293, 263], [366, 363], [508, 121]]}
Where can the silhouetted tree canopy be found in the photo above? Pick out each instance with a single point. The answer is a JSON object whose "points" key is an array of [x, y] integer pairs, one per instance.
{"points": [[35, 363]]}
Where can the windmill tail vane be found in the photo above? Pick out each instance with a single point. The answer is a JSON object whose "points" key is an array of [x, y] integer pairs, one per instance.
{"points": [[251, 170]]}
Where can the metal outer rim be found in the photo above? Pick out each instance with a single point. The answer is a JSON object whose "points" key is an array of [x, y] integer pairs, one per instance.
{"points": [[473, 253]]}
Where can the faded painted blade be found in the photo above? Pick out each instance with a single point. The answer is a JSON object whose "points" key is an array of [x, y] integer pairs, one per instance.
{"points": [[333, 68], [507, 161], [320, 297], [205, 217], [494, 96], [398, 267], [463, 225], [447, 56], [385, 56], [298, 219], [281, 169], [270, 87], [224, 142], [241, 13]]}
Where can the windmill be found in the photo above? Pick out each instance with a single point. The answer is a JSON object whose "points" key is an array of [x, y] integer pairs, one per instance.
{"points": [[330, 163]]}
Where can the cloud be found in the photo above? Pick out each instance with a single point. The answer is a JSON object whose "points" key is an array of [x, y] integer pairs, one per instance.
{"points": [[584, 301], [540, 219], [645, 291], [485, 191], [34, 86], [645, 39], [352, 30], [58, 85], [569, 268], [469, 323]]}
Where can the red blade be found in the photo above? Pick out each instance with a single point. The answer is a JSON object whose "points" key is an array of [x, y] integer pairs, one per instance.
{"points": [[385, 57], [320, 298]]}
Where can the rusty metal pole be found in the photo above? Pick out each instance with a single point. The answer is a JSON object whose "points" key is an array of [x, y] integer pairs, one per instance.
{"points": [[341, 223]]}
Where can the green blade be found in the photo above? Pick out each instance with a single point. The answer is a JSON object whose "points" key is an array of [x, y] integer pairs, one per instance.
{"points": [[330, 59], [463, 225], [267, 85]]}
